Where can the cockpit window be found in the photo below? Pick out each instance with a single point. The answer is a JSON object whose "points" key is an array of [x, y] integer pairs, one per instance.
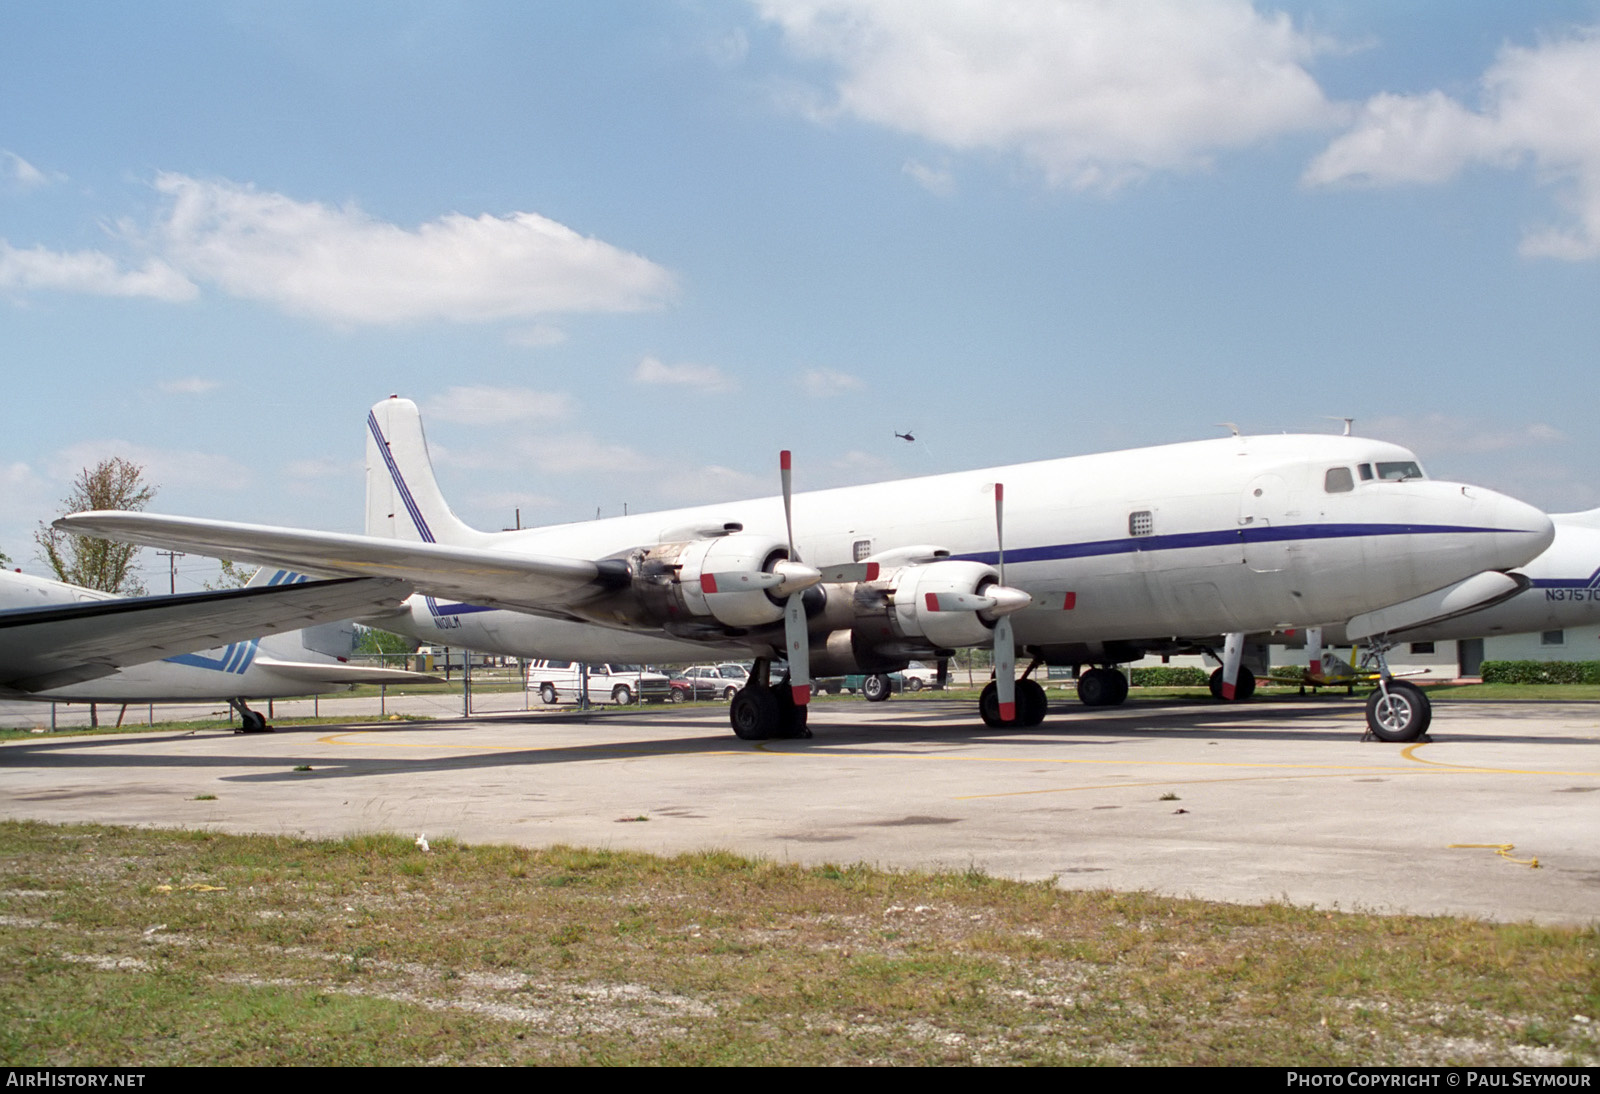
{"points": [[1366, 472], [1338, 480], [1399, 471]]}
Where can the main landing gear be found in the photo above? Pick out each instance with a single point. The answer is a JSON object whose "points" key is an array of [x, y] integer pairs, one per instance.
{"points": [[1242, 689], [1103, 687], [761, 710], [250, 721]]}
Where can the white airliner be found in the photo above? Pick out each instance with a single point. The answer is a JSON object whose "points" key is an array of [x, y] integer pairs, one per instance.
{"points": [[62, 642], [1102, 558]]}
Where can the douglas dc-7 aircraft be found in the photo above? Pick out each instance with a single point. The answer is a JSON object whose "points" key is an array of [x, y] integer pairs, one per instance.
{"points": [[62, 642], [1108, 555]]}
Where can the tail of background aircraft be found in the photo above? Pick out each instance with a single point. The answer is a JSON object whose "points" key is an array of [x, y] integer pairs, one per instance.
{"points": [[403, 498]]}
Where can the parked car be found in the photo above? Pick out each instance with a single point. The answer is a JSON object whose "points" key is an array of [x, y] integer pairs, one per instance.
{"points": [[714, 681], [561, 682], [687, 688], [874, 688], [918, 676]]}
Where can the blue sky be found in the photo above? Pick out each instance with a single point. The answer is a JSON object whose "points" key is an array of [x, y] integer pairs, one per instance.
{"points": [[621, 253]]}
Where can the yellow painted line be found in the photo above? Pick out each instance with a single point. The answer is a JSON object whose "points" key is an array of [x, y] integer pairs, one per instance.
{"points": [[1410, 753], [1321, 771], [1177, 782]]}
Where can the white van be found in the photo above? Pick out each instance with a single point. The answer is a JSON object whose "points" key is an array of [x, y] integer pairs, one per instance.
{"points": [[561, 682]]}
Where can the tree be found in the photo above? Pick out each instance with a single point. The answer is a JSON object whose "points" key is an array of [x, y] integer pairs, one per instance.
{"points": [[97, 563], [234, 575]]}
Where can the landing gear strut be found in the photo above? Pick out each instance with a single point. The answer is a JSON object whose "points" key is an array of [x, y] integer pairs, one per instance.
{"points": [[1397, 712], [761, 710], [250, 721]]}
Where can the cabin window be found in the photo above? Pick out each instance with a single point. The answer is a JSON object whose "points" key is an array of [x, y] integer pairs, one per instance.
{"points": [[1338, 480], [1142, 523], [1366, 472], [1553, 638], [861, 549], [1399, 471]]}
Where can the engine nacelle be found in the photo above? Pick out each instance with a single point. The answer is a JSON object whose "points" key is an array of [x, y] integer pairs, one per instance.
{"points": [[733, 560], [913, 616]]}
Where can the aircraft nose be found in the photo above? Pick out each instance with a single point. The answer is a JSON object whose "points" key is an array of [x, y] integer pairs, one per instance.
{"points": [[1520, 532]]}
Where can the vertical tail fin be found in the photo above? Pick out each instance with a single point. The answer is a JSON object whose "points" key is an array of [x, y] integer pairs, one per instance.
{"points": [[272, 575], [403, 498]]}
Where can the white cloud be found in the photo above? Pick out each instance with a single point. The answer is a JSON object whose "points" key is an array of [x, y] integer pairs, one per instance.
{"points": [[324, 467], [163, 467], [91, 272], [346, 266], [1445, 434], [537, 336], [935, 180], [191, 385], [704, 377], [24, 174], [821, 383], [571, 453], [1538, 105], [1096, 93], [496, 405]]}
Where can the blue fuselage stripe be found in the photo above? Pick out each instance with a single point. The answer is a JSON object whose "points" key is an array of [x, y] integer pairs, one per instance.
{"points": [[1265, 533]]}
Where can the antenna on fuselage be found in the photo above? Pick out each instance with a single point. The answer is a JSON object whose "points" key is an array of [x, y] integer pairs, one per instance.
{"points": [[1230, 427], [1348, 422]]}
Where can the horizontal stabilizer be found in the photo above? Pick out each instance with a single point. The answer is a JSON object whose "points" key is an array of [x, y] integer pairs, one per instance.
{"points": [[1477, 592], [332, 672], [474, 574]]}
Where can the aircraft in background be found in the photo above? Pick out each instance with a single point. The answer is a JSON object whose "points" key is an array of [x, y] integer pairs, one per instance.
{"points": [[64, 643], [1110, 555]]}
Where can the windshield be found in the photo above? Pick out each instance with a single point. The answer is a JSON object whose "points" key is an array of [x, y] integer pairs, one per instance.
{"points": [[1399, 470]]}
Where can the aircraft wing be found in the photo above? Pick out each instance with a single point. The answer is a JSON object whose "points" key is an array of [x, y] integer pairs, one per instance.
{"points": [[57, 645], [474, 574]]}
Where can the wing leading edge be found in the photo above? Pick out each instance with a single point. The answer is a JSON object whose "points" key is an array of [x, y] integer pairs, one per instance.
{"points": [[475, 574]]}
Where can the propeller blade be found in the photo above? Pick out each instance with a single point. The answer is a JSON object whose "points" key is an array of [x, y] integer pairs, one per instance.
{"points": [[1005, 669], [787, 474], [1005, 647], [798, 643], [796, 577], [1232, 653], [999, 529]]}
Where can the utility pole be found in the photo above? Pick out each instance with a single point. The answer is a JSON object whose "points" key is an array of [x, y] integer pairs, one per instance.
{"points": [[172, 558]]}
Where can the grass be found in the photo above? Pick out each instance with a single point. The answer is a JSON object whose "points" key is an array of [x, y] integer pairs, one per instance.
{"points": [[369, 950]]}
